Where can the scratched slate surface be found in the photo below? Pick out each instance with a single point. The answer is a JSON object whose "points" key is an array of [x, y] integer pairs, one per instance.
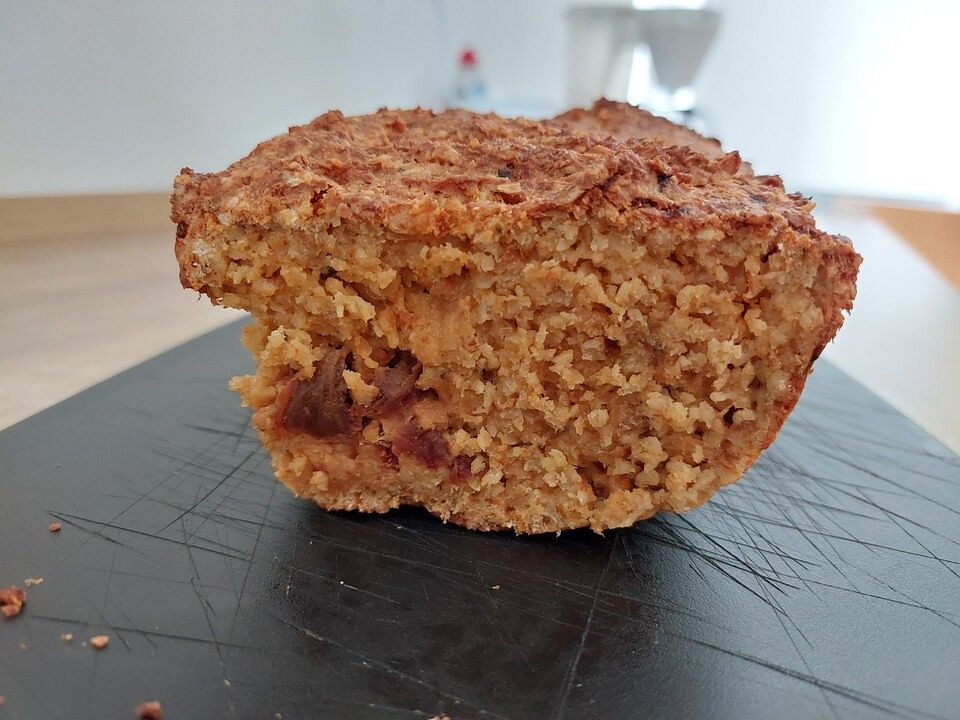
{"points": [[825, 584]]}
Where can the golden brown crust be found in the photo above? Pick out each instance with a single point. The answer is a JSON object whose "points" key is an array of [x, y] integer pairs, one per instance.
{"points": [[416, 171], [628, 122]]}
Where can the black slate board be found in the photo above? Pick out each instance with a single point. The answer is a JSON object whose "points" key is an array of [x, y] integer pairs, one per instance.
{"points": [[826, 583]]}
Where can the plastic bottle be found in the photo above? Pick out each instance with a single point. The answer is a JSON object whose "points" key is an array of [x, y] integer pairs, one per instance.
{"points": [[470, 87]]}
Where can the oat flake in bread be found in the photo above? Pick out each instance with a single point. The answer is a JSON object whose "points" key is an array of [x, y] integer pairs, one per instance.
{"points": [[514, 324]]}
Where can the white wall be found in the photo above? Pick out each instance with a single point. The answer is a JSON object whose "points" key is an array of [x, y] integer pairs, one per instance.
{"points": [[101, 95], [95, 96], [859, 96], [109, 96]]}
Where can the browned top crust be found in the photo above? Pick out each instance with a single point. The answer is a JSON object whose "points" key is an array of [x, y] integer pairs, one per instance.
{"points": [[457, 172], [625, 121]]}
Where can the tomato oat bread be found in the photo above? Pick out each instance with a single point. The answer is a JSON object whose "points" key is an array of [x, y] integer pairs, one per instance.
{"points": [[513, 324]]}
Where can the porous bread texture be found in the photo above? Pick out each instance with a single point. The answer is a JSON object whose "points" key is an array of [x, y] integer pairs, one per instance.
{"points": [[592, 379], [580, 363]]}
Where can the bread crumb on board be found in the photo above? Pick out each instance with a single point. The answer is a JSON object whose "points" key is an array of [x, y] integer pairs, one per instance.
{"points": [[149, 710], [30, 582], [67, 637], [100, 641], [11, 601], [54, 527]]}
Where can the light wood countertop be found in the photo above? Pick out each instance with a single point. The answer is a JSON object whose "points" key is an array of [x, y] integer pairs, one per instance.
{"points": [[78, 306], [88, 289]]}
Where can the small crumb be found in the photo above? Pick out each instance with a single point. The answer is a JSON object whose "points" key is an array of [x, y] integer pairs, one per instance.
{"points": [[11, 601], [149, 710], [30, 582], [226, 683], [3, 701], [23, 646], [496, 587], [100, 641], [54, 527], [279, 716], [67, 637]]}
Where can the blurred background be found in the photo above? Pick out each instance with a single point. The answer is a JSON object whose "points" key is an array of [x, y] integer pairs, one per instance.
{"points": [[101, 103]]}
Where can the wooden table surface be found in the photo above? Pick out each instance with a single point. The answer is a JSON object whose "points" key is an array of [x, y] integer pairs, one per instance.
{"points": [[82, 298], [87, 289]]}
